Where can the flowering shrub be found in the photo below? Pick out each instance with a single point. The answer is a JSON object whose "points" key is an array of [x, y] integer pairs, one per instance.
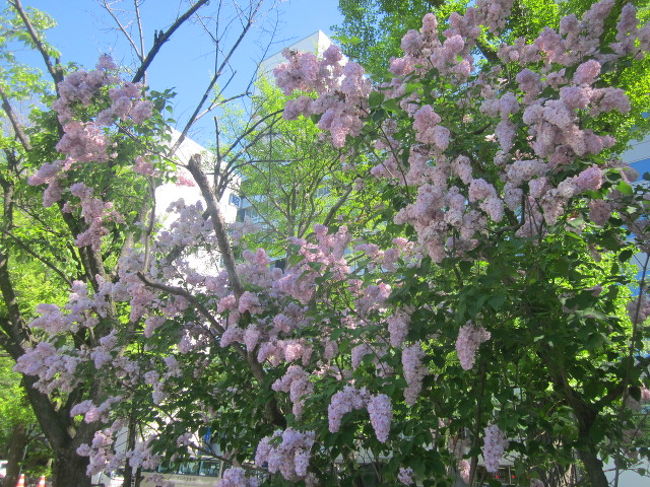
{"points": [[486, 307]]}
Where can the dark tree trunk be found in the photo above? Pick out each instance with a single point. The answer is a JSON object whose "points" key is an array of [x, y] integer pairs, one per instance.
{"points": [[69, 469], [130, 444], [138, 477], [17, 445], [593, 468]]}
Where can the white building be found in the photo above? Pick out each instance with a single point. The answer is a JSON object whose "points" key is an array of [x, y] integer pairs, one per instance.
{"points": [[317, 43], [169, 192]]}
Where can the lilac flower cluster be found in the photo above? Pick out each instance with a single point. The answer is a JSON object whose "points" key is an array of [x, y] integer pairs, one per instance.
{"points": [[94, 413], [54, 368], [344, 401], [380, 410], [469, 339], [236, 477], [414, 372], [464, 470], [398, 326], [85, 141], [449, 217], [296, 382], [287, 452], [101, 451], [341, 87], [95, 213], [494, 445], [405, 476]]}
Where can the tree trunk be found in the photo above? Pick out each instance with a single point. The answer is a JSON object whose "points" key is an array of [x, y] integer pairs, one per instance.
{"points": [[130, 444], [593, 468], [70, 469], [17, 445]]}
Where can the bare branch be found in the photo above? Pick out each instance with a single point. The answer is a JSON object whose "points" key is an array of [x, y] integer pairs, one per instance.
{"points": [[18, 129], [54, 71], [214, 79], [217, 222], [138, 18], [179, 291], [161, 37], [128, 36], [248, 132]]}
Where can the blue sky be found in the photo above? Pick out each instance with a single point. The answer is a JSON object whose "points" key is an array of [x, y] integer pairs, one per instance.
{"points": [[185, 63]]}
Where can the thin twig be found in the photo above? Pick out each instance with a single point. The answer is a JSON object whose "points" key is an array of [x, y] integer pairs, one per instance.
{"points": [[161, 37], [34, 254], [108, 8], [11, 115], [52, 69]]}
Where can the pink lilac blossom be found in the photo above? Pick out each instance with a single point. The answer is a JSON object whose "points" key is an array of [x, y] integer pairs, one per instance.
{"points": [[83, 142], [142, 456], [95, 213], [252, 337], [380, 410], [342, 91], [342, 402], [505, 133], [54, 368], [494, 445], [587, 72], [405, 476], [102, 456], [290, 457], [414, 372], [331, 350], [46, 173], [173, 367], [600, 211], [143, 166], [99, 451], [94, 413], [468, 341], [249, 303], [608, 99], [493, 13], [236, 477], [51, 320], [464, 469], [232, 334], [398, 326], [296, 382], [424, 121]]}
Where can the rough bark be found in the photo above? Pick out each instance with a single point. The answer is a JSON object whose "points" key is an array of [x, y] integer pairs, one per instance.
{"points": [[593, 468], [17, 445], [69, 469], [130, 443]]}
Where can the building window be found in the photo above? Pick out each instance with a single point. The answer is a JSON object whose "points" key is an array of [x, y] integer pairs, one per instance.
{"points": [[235, 200]]}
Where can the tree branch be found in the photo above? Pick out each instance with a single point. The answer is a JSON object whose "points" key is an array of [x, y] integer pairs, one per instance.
{"points": [[217, 222], [161, 37], [11, 115], [54, 71]]}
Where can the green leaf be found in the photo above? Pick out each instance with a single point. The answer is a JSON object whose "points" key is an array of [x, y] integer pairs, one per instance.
{"points": [[625, 188], [496, 301], [375, 99]]}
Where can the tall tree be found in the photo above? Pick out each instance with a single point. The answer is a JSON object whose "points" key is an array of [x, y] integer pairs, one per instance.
{"points": [[485, 312], [40, 245]]}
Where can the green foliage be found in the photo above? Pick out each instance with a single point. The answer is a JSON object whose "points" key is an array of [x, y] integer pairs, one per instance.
{"points": [[372, 30], [292, 178]]}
